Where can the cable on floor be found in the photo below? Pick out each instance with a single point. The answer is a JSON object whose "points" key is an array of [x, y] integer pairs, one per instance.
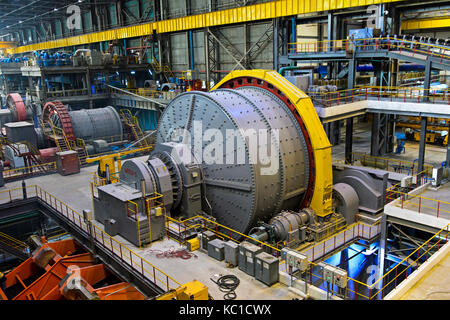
{"points": [[172, 253], [228, 284]]}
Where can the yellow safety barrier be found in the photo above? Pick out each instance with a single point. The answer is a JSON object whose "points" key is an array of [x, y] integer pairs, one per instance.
{"points": [[416, 202], [389, 164], [24, 171], [12, 242], [371, 44], [363, 93]]}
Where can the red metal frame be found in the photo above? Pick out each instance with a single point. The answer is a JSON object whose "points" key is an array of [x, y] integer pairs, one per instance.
{"points": [[14, 99], [56, 107]]}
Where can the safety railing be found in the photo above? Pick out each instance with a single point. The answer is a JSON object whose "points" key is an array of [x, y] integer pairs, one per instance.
{"points": [[201, 223], [404, 199], [140, 91], [133, 123], [389, 164], [412, 48], [146, 92], [126, 255], [154, 205], [13, 242], [399, 94], [108, 139], [346, 236], [379, 288], [391, 279], [75, 92], [30, 170]]}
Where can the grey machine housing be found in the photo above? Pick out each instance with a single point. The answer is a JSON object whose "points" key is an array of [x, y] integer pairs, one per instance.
{"points": [[237, 195]]}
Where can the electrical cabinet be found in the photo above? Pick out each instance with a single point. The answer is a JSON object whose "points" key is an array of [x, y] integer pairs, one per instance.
{"points": [[247, 253], [205, 238], [295, 259], [216, 249], [266, 268], [231, 252], [334, 275]]}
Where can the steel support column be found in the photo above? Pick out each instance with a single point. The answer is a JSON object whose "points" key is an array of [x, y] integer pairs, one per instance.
{"points": [[190, 50], [422, 143], [281, 40], [330, 28], [351, 73], [382, 134], [377, 137], [427, 81], [276, 63], [447, 158], [348, 140], [382, 248], [333, 131]]}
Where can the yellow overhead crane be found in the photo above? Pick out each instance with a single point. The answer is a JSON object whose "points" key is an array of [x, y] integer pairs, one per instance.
{"points": [[255, 12], [109, 161]]}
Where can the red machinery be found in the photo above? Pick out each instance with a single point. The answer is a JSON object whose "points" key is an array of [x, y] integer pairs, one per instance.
{"points": [[17, 107], [64, 271]]}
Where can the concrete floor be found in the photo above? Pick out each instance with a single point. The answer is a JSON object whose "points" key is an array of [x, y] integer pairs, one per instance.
{"points": [[435, 285], [75, 191]]}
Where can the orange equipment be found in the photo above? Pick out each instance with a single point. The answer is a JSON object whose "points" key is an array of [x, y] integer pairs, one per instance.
{"points": [[64, 271]]}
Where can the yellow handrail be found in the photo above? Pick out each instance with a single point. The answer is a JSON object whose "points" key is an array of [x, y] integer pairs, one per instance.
{"points": [[15, 243]]}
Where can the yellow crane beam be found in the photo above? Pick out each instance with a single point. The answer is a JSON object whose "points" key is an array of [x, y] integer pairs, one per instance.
{"points": [[430, 23], [251, 13], [7, 45]]}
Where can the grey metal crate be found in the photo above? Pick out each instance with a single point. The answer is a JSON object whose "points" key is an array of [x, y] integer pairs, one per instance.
{"points": [[216, 249], [266, 268], [206, 237], [231, 252], [247, 253]]}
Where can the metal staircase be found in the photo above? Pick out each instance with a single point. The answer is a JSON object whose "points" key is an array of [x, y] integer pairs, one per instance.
{"points": [[132, 123], [165, 69], [62, 142], [31, 156]]}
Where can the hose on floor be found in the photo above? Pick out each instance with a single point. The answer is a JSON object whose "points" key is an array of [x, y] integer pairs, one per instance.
{"points": [[228, 284]]}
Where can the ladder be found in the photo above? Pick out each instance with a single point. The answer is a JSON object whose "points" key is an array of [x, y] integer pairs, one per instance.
{"points": [[165, 69], [32, 154], [62, 142], [133, 124]]}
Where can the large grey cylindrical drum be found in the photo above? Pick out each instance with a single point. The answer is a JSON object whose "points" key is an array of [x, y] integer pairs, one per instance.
{"points": [[263, 165], [94, 124]]}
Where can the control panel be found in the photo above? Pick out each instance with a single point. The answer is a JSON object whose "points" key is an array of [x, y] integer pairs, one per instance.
{"points": [[334, 275], [295, 259]]}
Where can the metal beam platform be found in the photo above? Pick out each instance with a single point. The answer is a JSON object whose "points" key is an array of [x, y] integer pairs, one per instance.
{"points": [[413, 109]]}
